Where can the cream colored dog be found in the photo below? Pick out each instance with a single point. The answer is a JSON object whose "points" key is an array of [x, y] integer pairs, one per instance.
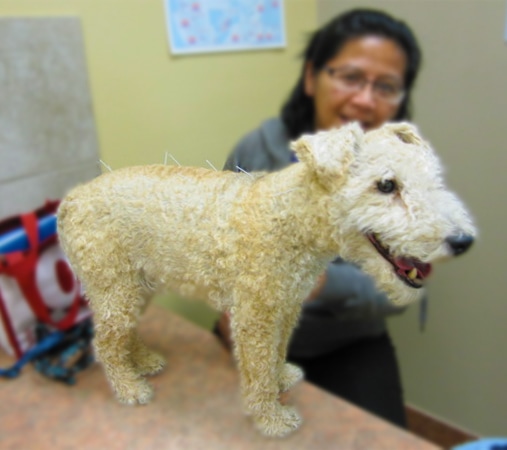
{"points": [[254, 244]]}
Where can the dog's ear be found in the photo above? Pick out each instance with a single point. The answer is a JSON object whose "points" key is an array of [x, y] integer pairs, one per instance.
{"points": [[406, 132], [329, 153]]}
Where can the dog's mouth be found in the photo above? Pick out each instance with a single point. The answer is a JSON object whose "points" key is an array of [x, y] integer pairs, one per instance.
{"points": [[410, 270]]}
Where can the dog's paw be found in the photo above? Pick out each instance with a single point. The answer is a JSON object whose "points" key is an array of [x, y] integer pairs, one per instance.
{"points": [[290, 376], [149, 363], [138, 392], [278, 422]]}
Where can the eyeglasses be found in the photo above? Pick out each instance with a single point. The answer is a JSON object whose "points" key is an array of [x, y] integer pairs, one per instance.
{"points": [[353, 81]]}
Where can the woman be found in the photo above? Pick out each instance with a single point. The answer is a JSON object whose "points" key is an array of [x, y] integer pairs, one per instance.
{"points": [[361, 67]]}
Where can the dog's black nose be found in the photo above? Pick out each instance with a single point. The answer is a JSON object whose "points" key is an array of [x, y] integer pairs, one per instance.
{"points": [[459, 243]]}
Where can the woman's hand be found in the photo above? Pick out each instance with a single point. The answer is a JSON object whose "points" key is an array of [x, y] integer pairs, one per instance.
{"points": [[321, 281]]}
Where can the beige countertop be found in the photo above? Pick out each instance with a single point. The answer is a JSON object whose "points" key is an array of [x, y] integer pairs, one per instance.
{"points": [[196, 406]]}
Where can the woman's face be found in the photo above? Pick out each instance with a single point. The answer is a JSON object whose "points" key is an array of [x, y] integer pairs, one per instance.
{"points": [[357, 84]]}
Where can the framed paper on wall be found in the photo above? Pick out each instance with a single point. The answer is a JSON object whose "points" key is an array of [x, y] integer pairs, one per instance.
{"points": [[224, 25]]}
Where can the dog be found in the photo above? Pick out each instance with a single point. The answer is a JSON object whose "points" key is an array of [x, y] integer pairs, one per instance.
{"points": [[255, 244]]}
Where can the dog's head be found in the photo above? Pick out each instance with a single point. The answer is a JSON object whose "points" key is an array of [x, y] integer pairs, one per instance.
{"points": [[389, 209]]}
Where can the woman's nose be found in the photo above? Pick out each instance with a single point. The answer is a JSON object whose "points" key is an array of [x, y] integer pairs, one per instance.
{"points": [[365, 96]]}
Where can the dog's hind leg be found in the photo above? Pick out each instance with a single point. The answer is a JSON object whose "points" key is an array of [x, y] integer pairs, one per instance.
{"points": [[256, 336], [117, 344], [145, 360]]}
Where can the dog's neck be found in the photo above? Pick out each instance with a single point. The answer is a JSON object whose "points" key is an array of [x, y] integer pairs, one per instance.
{"points": [[287, 195]]}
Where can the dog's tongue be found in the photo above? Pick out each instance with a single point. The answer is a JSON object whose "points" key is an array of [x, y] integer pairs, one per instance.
{"points": [[407, 265]]}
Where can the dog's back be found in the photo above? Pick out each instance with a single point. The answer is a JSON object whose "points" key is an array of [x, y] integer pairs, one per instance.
{"points": [[132, 219]]}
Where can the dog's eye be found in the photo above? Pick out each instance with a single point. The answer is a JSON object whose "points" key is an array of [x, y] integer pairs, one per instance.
{"points": [[387, 186]]}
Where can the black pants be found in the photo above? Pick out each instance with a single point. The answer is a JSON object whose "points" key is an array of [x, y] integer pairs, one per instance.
{"points": [[365, 373]]}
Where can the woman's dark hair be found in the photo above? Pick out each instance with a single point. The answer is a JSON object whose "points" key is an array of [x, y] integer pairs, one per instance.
{"points": [[298, 111]]}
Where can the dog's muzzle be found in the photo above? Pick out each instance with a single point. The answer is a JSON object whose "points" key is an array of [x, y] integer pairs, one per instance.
{"points": [[412, 271]]}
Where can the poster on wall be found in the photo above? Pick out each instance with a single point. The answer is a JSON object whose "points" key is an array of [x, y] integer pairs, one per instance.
{"points": [[224, 25]]}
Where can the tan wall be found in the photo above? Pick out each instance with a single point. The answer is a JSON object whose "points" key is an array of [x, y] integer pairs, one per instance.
{"points": [[148, 102], [457, 368]]}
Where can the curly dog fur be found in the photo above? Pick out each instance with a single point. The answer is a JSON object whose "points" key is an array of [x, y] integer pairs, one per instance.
{"points": [[254, 244]]}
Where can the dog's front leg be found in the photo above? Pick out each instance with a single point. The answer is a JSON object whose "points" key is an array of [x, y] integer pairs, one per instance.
{"points": [[257, 337], [289, 374]]}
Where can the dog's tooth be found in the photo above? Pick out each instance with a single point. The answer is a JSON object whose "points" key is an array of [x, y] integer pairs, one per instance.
{"points": [[412, 274]]}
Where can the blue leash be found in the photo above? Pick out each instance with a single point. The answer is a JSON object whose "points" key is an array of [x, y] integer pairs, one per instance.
{"points": [[48, 343], [73, 355], [58, 354]]}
